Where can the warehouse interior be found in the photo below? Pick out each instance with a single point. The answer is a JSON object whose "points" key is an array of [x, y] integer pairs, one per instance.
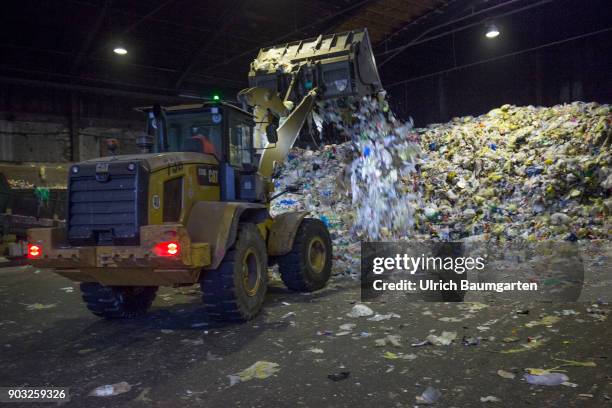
{"points": [[481, 123]]}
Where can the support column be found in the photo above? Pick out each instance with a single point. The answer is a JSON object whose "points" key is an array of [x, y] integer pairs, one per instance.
{"points": [[73, 123]]}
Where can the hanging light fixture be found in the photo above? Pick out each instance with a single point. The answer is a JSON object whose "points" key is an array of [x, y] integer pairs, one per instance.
{"points": [[492, 30], [120, 49]]}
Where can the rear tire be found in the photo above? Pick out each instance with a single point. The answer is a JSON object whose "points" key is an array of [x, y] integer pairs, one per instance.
{"points": [[117, 302], [308, 266], [235, 291]]}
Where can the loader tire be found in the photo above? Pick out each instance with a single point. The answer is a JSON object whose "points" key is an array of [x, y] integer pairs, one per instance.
{"points": [[235, 291], [307, 267], [117, 302]]}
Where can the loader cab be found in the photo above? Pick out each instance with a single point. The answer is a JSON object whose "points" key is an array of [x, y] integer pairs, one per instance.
{"points": [[216, 128]]}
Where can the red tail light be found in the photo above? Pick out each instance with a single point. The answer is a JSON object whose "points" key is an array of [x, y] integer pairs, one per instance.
{"points": [[167, 249], [34, 251]]}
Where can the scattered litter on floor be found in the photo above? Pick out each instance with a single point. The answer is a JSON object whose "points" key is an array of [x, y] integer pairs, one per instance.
{"points": [[110, 390], [378, 317], [343, 375], [572, 363], [40, 306], [445, 339], [506, 374], [196, 342], [347, 326], [471, 341], [390, 355], [489, 398], [532, 344], [550, 379], [360, 310], [260, 370], [545, 321], [394, 340], [431, 395], [315, 350]]}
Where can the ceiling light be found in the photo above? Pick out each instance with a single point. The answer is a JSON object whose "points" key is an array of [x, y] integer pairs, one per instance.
{"points": [[492, 31], [120, 50]]}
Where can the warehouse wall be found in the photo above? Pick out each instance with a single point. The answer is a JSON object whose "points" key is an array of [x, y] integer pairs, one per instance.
{"points": [[37, 138], [464, 73], [36, 124]]}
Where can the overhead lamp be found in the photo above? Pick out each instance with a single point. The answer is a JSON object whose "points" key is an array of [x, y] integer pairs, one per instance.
{"points": [[492, 30], [120, 50]]}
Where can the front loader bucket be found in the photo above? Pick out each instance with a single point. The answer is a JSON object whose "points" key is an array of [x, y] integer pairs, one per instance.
{"points": [[338, 65]]}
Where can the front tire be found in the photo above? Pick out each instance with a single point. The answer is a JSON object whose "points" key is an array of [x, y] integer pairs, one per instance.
{"points": [[235, 291], [308, 266], [117, 302]]}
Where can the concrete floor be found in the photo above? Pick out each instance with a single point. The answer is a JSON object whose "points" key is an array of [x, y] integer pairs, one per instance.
{"points": [[171, 358]]}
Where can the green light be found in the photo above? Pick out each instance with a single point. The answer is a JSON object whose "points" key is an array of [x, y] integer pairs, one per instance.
{"points": [[216, 97]]}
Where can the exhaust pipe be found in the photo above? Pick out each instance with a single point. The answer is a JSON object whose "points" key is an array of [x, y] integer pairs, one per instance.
{"points": [[157, 121]]}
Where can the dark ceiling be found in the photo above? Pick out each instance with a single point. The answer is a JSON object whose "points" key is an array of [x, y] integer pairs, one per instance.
{"points": [[193, 48], [174, 46]]}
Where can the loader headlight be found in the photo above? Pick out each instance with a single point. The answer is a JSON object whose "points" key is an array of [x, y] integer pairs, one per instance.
{"points": [[131, 167], [74, 169]]}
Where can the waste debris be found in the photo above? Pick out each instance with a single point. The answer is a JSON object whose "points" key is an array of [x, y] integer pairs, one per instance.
{"points": [[378, 317], [391, 339], [383, 167], [260, 370], [471, 341], [545, 321], [519, 173], [110, 390], [431, 395], [514, 173], [531, 344], [343, 375], [506, 374], [40, 306], [390, 355], [489, 398], [549, 379], [445, 339], [360, 310]]}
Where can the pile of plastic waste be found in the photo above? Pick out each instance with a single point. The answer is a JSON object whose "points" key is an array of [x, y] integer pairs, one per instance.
{"points": [[324, 191], [519, 173], [515, 173]]}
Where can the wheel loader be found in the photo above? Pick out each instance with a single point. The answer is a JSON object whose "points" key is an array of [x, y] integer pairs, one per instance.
{"points": [[194, 206]]}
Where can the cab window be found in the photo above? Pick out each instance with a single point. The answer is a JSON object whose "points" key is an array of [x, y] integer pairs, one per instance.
{"points": [[241, 145], [195, 132]]}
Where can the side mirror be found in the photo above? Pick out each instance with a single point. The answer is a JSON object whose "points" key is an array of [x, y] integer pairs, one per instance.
{"points": [[271, 133]]}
